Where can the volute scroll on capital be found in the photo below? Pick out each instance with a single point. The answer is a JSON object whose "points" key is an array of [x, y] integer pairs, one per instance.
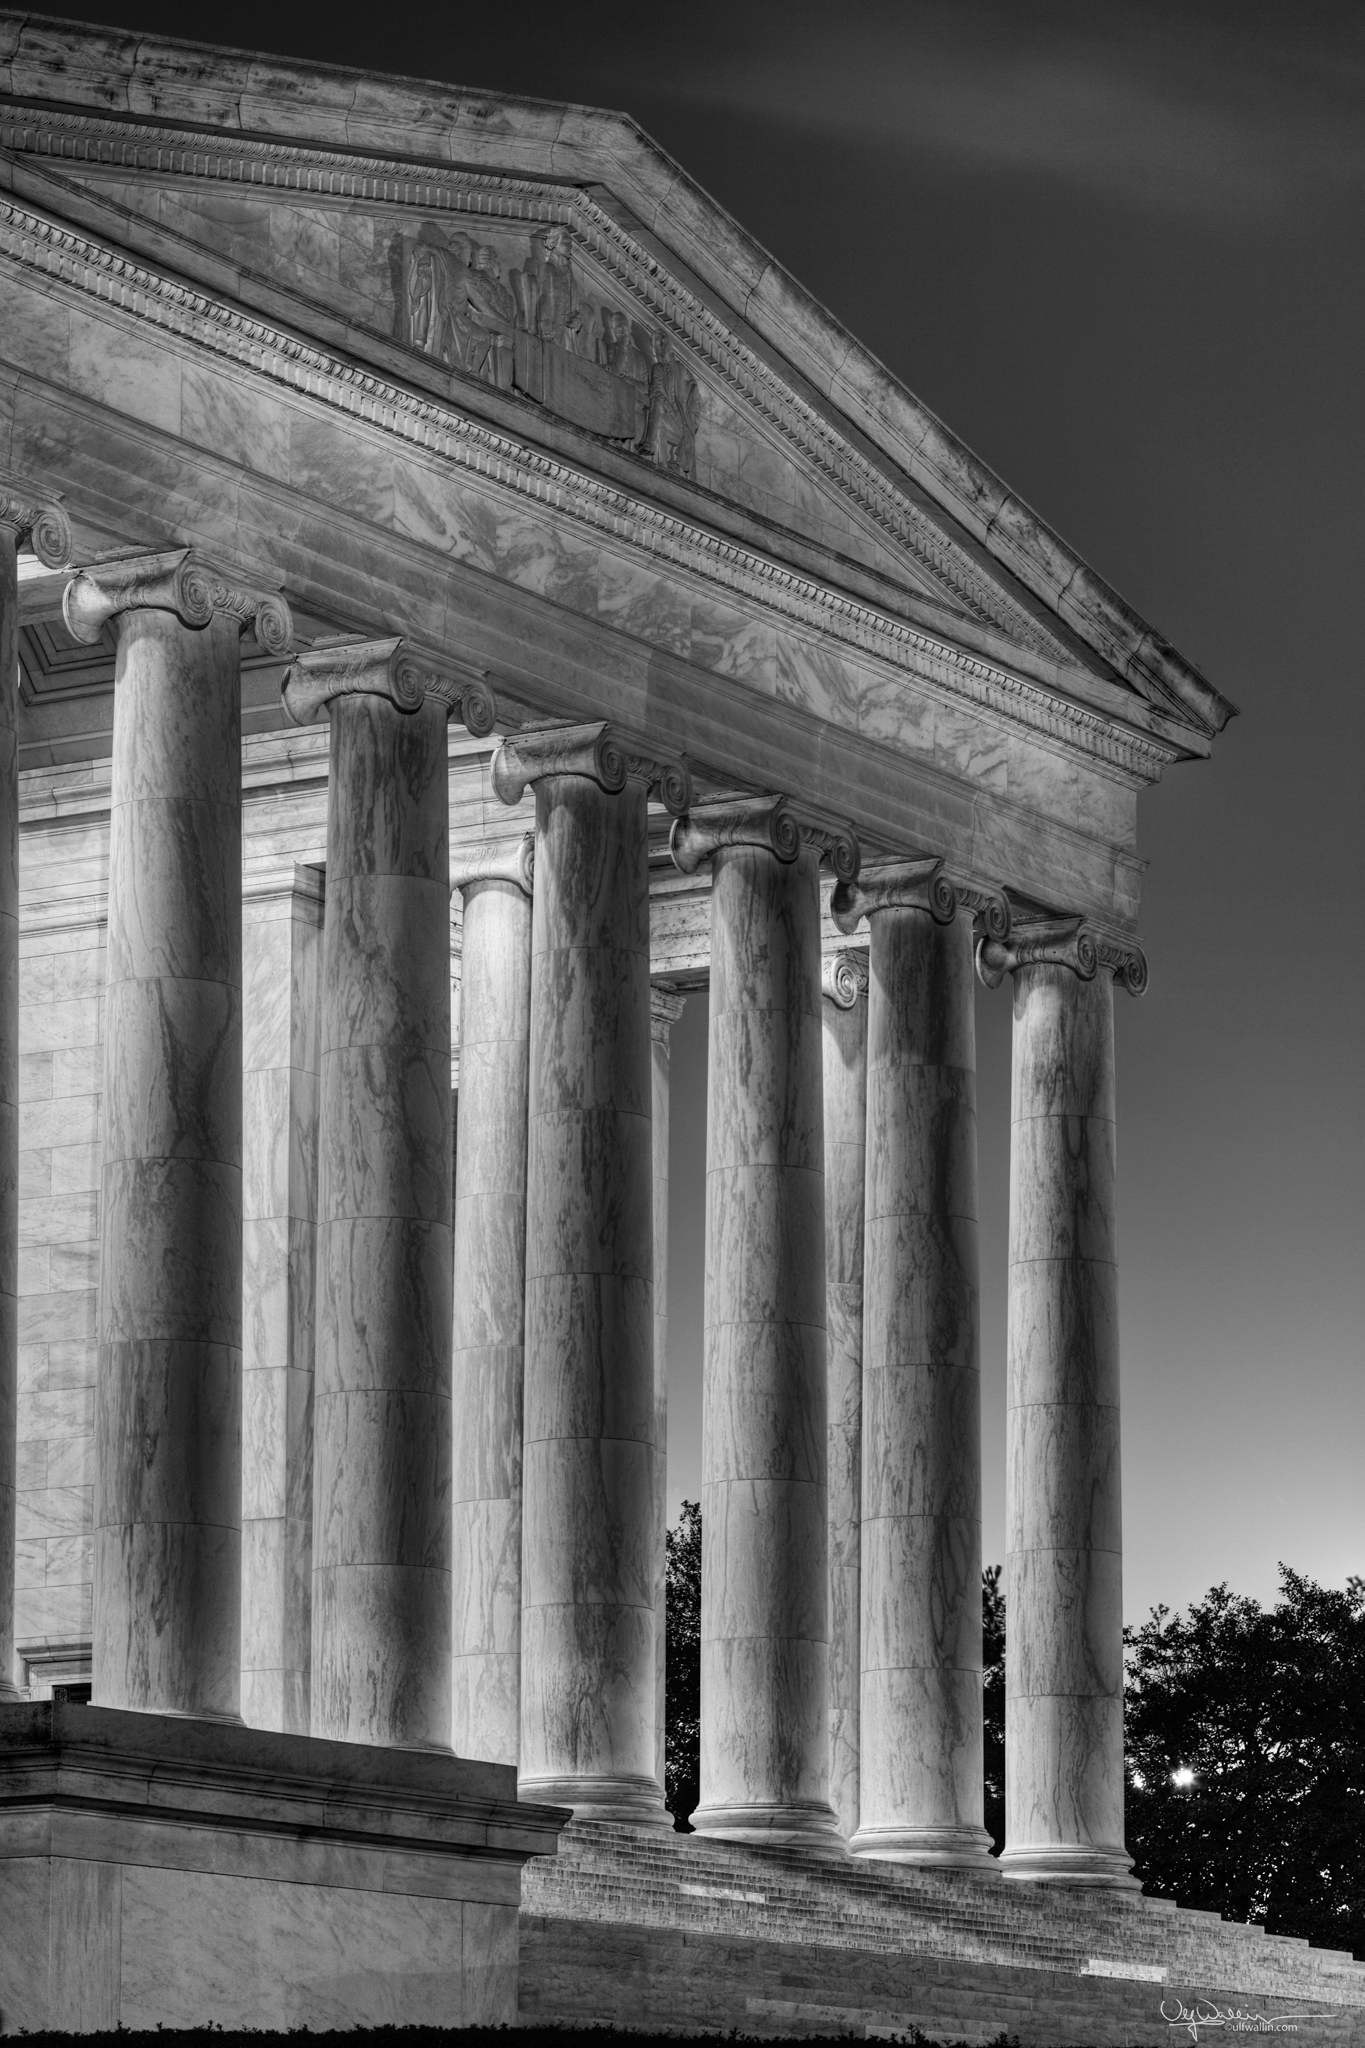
{"points": [[28, 510], [349, 668], [666, 1005], [843, 978], [895, 885], [772, 823], [496, 860], [1062, 942], [605, 753], [175, 580]]}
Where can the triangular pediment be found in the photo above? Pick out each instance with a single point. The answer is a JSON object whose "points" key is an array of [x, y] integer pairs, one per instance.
{"points": [[506, 288], [548, 271]]}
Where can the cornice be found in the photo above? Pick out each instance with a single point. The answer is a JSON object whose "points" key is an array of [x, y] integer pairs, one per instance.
{"points": [[85, 266], [118, 145]]}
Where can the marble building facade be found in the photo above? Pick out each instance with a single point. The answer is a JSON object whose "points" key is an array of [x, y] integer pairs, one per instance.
{"points": [[464, 597]]}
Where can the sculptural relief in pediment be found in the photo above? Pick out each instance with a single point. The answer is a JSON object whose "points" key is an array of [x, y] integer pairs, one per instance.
{"points": [[488, 283], [538, 332]]}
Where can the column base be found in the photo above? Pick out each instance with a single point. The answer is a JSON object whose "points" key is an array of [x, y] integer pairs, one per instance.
{"points": [[813, 1827], [636, 1800], [1077, 1863], [961, 1848]]}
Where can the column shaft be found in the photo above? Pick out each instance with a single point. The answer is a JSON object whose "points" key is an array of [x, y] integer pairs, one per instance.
{"points": [[921, 1523], [382, 1418], [168, 1394], [765, 1586], [1064, 1675], [665, 1009], [845, 1083], [9, 1094], [593, 1472], [281, 978], [488, 1320]]}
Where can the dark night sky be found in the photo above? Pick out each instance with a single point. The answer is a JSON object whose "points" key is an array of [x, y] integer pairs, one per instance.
{"points": [[1117, 247]]}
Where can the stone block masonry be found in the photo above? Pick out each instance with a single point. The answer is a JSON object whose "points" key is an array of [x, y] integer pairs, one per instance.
{"points": [[163, 1871], [691, 1935]]}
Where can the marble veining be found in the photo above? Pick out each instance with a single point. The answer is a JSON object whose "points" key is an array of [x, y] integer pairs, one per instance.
{"points": [[1063, 1564], [921, 1453], [167, 1551], [381, 1614], [488, 1352], [765, 1756], [282, 962], [845, 1092], [593, 1474]]}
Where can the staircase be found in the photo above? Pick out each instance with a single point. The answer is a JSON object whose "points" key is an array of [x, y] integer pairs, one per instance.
{"points": [[652, 1931]]}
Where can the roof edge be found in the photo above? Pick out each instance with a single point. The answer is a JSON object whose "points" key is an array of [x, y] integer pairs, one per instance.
{"points": [[113, 71]]}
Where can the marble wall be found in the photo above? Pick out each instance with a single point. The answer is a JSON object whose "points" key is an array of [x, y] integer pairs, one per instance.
{"points": [[63, 865]]}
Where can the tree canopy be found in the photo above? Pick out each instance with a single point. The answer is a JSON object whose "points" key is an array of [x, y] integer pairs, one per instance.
{"points": [[1245, 1738], [682, 1677]]}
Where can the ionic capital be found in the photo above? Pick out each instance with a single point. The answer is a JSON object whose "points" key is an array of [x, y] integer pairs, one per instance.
{"points": [[989, 907], [497, 860], [771, 822], [1125, 960], [897, 885], [665, 1008], [604, 753], [30, 511], [350, 668], [177, 581], [1062, 942], [463, 691], [843, 978]]}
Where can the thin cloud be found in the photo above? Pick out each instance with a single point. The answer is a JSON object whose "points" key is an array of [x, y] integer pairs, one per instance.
{"points": [[1175, 111]]}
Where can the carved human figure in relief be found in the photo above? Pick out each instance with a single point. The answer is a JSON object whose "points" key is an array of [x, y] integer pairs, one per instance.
{"points": [[546, 291], [620, 351], [459, 310], [492, 314], [670, 436]]}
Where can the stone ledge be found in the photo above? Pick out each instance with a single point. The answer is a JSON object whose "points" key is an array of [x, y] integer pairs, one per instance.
{"points": [[164, 1872], [163, 1767]]}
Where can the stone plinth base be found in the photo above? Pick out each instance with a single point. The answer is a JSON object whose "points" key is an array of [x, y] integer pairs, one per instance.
{"points": [[677, 1934], [161, 1872]]}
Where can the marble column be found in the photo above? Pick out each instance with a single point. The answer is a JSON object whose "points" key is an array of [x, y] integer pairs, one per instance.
{"points": [[844, 1015], [281, 996], [490, 1297], [765, 1558], [1063, 1565], [167, 1551], [27, 514], [921, 1728], [381, 1403], [665, 1008], [592, 1471]]}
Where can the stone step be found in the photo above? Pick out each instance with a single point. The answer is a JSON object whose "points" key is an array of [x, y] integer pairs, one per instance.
{"points": [[708, 1890]]}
